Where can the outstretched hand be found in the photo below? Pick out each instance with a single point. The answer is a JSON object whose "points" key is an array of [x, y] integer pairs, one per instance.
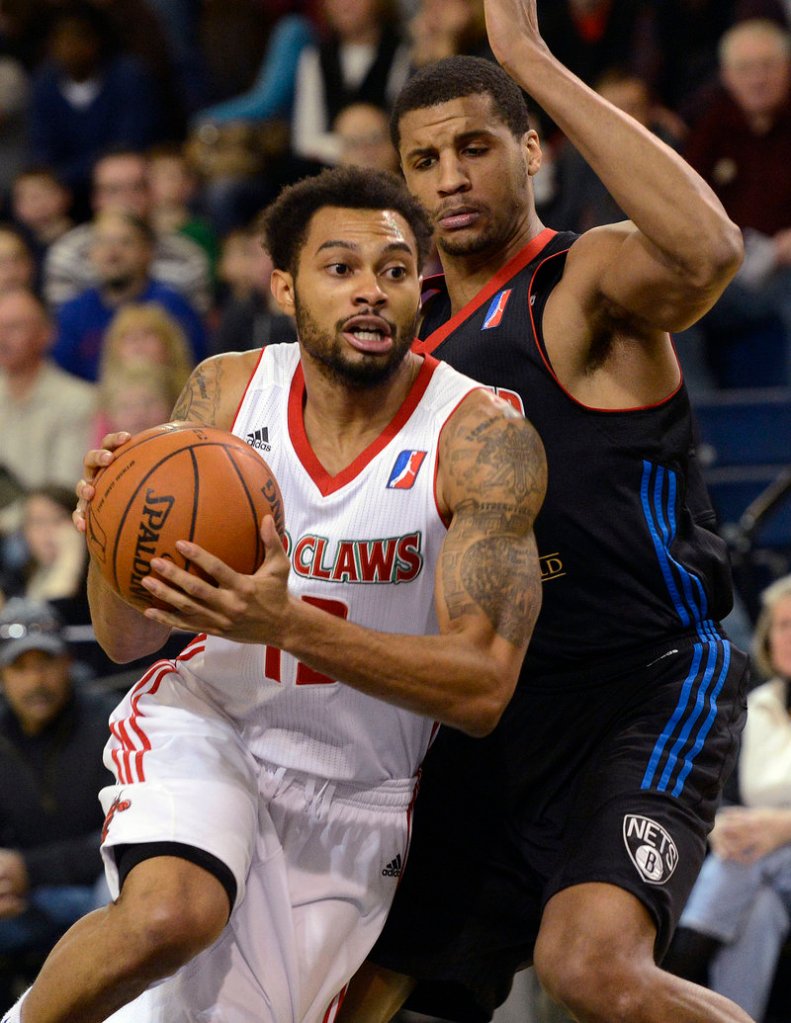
{"points": [[509, 25], [243, 608]]}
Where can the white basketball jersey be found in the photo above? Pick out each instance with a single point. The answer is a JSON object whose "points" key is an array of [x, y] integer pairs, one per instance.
{"points": [[363, 545]]}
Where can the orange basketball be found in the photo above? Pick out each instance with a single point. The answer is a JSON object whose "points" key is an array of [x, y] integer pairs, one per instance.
{"points": [[175, 482]]}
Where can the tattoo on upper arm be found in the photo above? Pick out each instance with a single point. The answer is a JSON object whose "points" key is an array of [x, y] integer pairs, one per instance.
{"points": [[489, 561], [200, 398]]}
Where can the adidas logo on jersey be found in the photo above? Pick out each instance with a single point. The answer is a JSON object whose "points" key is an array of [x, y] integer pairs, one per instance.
{"points": [[259, 439], [393, 868]]}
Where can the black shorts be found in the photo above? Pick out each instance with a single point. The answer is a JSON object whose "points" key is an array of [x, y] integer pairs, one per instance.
{"points": [[613, 781]]}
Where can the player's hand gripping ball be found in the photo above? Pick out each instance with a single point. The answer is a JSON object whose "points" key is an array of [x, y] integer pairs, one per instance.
{"points": [[175, 482]]}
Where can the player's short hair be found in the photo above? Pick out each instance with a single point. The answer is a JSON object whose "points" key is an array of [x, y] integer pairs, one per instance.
{"points": [[286, 222], [454, 77]]}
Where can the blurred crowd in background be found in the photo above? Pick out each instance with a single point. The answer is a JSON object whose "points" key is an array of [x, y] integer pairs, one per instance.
{"points": [[141, 139]]}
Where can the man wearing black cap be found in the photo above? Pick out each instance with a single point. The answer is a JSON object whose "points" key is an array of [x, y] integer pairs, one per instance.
{"points": [[51, 742]]}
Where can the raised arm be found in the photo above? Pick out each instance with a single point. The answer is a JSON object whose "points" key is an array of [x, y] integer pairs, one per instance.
{"points": [[210, 397], [491, 483], [668, 267]]}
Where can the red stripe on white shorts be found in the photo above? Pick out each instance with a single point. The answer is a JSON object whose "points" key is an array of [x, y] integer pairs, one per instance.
{"points": [[335, 1005], [130, 732]]}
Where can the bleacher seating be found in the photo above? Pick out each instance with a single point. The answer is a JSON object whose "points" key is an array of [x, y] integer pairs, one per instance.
{"points": [[745, 452]]}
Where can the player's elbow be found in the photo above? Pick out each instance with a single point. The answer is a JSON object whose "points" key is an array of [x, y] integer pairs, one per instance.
{"points": [[482, 714], [718, 256], [122, 647]]}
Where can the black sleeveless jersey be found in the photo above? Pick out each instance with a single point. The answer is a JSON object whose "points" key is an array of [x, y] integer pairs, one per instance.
{"points": [[626, 535]]}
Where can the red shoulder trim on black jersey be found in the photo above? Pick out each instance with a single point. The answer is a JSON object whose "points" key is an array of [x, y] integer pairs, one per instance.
{"points": [[326, 483], [503, 275]]}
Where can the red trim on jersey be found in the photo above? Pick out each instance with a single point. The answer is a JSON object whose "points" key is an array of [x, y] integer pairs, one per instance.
{"points": [[326, 483], [488, 291], [195, 646], [246, 388], [553, 374]]}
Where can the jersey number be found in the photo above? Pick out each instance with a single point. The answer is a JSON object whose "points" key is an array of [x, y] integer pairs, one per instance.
{"points": [[306, 676]]}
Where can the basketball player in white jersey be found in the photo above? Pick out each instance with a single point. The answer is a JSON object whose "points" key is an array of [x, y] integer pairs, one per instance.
{"points": [[260, 819]]}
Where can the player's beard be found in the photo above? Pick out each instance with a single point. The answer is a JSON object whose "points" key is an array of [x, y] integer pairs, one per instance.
{"points": [[330, 349]]}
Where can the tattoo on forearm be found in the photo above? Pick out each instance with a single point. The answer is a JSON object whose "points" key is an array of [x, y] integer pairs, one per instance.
{"points": [[200, 399]]}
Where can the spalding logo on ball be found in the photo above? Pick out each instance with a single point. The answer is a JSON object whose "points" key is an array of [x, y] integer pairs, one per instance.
{"points": [[179, 481]]}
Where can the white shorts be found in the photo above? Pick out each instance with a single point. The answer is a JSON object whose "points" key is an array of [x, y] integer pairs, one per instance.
{"points": [[316, 864]]}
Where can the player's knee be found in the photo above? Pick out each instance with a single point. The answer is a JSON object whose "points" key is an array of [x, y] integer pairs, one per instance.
{"points": [[176, 931], [594, 984], [166, 928]]}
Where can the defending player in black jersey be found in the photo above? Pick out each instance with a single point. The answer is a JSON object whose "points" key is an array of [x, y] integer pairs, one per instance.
{"points": [[573, 834]]}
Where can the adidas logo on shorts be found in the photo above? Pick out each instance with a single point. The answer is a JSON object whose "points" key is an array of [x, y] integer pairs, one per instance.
{"points": [[393, 868]]}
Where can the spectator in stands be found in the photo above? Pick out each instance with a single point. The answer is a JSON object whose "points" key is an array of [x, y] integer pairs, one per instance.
{"points": [[142, 335], [363, 131], [249, 318], [272, 93], [51, 740], [739, 912], [136, 398], [120, 181], [40, 204], [143, 37], [581, 200], [17, 261], [122, 253], [444, 28], [45, 414], [592, 36], [741, 145], [363, 58], [86, 97], [52, 560], [180, 20], [685, 37], [14, 100], [174, 189]]}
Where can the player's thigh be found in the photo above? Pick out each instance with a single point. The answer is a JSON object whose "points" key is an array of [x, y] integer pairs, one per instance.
{"points": [[182, 776], [343, 866], [644, 804]]}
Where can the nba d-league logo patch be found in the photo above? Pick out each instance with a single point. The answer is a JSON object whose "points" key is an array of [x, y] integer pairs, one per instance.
{"points": [[494, 314], [405, 470], [650, 848]]}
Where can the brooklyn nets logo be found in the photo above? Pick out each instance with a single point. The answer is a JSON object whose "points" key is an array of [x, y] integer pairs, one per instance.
{"points": [[650, 848]]}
